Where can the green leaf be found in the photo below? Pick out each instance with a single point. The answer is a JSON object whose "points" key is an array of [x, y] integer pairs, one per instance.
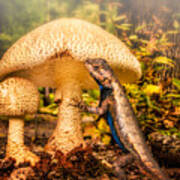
{"points": [[172, 32], [176, 82], [164, 60], [139, 28], [151, 105], [173, 95], [124, 27], [120, 18], [5, 37], [176, 24], [152, 89], [133, 37]]}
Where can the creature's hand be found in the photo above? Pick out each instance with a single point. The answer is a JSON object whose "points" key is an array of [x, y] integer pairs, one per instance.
{"points": [[95, 110], [80, 104]]}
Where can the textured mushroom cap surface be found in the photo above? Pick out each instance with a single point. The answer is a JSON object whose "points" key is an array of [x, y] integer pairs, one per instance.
{"points": [[17, 97], [73, 37]]}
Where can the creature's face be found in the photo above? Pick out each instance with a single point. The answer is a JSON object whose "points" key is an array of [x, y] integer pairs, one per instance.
{"points": [[100, 71]]}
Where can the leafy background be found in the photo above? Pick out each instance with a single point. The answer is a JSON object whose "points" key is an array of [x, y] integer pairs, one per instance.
{"points": [[151, 29]]}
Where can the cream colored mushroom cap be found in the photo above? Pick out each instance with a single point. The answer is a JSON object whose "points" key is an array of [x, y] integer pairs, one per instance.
{"points": [[77, 38], [18, 97]]}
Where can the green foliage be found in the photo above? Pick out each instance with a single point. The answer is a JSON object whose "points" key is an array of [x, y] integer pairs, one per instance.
{"points": [[176, 82], [91, 97], [164, 60], [88, 11], [171, 132], [52, 108], [18, 19]]}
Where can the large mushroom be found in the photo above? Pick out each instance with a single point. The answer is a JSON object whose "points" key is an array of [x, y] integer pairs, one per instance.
{"points": [[18, 97], [53, 55]]}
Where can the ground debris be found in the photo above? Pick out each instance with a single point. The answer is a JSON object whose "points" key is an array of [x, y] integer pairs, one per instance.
{"points": [[6, 168], [77, 164], [92, 163]]}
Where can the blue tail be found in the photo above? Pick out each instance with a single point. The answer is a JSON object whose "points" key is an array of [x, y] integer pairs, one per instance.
{"points": [[113, 130], [104, 94]]}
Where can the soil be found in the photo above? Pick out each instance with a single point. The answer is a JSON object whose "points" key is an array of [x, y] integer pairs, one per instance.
{"points": [[97, 161]]}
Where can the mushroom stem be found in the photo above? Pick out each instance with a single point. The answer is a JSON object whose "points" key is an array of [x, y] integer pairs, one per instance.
{"points": [[15, 134], [15, 146], [67, 134]]}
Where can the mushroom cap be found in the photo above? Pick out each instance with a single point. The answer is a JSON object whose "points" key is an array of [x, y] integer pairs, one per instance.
{"points": [[18, 97], [35, 52]]}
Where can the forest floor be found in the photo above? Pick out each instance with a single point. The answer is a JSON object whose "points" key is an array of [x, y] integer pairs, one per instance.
{"points": [[95, 162]]}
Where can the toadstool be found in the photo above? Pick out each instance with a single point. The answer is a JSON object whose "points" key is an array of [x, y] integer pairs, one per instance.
{"points": [[18, 97], [53, 55]]}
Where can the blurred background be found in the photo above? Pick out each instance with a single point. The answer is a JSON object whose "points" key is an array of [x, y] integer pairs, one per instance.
{"points": [[151, 29]]}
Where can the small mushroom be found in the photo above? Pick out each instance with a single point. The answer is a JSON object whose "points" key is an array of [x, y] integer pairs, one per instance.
{"points": [[18, 97], [53, 55]]}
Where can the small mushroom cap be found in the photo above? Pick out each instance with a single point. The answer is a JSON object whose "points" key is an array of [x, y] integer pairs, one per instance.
{"points": [[35, 52], [18, 97]]}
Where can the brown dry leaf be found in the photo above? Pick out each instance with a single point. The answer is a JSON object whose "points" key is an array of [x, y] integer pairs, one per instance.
{"points": [[2, 135], [168, 123], [177, 111]]}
